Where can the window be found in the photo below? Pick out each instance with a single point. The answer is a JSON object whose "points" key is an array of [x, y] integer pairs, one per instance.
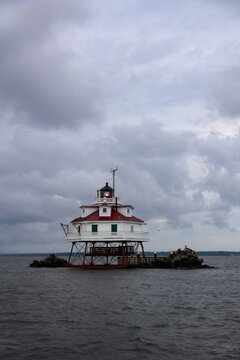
{"points": [[114, 228], [104, 210], [94, 228], [132, 228], [128, 210], [83, 211], [79, 229]]}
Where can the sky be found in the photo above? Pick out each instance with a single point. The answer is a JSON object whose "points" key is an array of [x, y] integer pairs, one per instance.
{"points": [[152, 86]]}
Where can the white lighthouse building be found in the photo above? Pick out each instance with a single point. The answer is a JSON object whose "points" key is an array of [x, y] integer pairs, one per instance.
{"points": [[107, 234]]}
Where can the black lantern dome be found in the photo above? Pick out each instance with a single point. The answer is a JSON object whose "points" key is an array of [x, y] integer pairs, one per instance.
{"points": [[106, 191]]}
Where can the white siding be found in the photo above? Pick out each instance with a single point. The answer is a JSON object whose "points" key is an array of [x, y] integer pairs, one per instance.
{"points": [[107, 226], [87, 211], [136, 226], [124, 231], [107, 212], [126, 211]]}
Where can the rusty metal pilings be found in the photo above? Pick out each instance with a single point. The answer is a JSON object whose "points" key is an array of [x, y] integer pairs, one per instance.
{"points": [[77, 258], [115, 266], [143, 253], [73, 258], [85, 251], [70, 255], [91, 262], [107, 253], [92, 254]]}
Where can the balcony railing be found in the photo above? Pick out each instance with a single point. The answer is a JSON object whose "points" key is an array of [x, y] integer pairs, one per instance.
{"points": [[107, 236], [107, 200]]}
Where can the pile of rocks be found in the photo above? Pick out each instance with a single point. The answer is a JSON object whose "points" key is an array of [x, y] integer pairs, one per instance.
{"points": [[50, 261], [184, 259]]}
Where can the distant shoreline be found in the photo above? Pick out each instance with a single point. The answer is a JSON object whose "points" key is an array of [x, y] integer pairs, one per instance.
{"points": [[148, 253]]}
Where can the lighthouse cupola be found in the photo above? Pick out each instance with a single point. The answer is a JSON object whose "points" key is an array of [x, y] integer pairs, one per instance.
{"points": [[106, 191]]}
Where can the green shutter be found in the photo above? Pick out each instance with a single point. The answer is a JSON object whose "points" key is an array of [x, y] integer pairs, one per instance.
{"points": [[114, 227], [94, 228], [79, 229]]}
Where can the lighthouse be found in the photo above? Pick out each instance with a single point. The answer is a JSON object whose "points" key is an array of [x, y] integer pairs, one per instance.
{"points": [[107, 234]]}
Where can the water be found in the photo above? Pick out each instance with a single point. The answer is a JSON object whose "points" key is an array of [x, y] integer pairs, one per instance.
{"points": [[120, 314]]}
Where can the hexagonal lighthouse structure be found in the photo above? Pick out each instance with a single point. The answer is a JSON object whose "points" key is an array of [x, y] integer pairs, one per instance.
{"points": [[107, 234]]}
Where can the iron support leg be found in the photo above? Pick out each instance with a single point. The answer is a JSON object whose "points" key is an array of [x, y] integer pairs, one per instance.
{"points": [[70, 255], [143, 253]]}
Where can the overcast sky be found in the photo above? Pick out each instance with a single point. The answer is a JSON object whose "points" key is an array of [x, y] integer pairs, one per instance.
{"points": [[152, 86]]}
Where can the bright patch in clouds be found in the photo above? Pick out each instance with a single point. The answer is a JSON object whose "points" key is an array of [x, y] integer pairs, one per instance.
{"points": [[160, 221]]}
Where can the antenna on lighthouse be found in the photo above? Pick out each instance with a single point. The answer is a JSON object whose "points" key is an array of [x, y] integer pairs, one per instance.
{"points": [[113, 170]]}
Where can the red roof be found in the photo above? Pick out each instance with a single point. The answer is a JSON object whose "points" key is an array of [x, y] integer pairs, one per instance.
{"points": [[115, 216], [121, 206], [88, 206], [105, 204]]}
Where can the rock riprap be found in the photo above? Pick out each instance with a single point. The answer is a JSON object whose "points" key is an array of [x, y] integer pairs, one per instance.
{"points": [[50, 261], [184, 258], [179, 259]]}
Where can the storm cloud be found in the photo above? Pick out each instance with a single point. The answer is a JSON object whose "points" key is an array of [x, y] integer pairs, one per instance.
{"points": [[42, 83], [152, 87]]}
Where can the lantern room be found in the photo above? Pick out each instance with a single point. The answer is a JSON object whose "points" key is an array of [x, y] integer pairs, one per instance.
{"points": [[106, 191]]}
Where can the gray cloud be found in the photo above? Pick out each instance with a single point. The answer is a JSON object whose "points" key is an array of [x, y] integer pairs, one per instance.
{"points": [[153, 162], [25, 21], [41, 83], [225, 92], [42, 184], [219, 219], [86, 85]]}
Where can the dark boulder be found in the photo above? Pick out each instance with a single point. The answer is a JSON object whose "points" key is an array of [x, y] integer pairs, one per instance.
{"points": [[50, 261], [186, 258], [180, 259]]}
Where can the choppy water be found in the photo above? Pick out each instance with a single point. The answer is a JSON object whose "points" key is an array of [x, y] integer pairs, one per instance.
{"points": [[120, 314]]}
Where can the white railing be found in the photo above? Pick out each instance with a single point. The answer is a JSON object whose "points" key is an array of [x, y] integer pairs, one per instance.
{"points": [[106, 200], [108, 236]]}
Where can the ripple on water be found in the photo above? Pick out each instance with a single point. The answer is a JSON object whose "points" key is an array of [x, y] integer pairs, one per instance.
{"points": [[145, 314]]}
